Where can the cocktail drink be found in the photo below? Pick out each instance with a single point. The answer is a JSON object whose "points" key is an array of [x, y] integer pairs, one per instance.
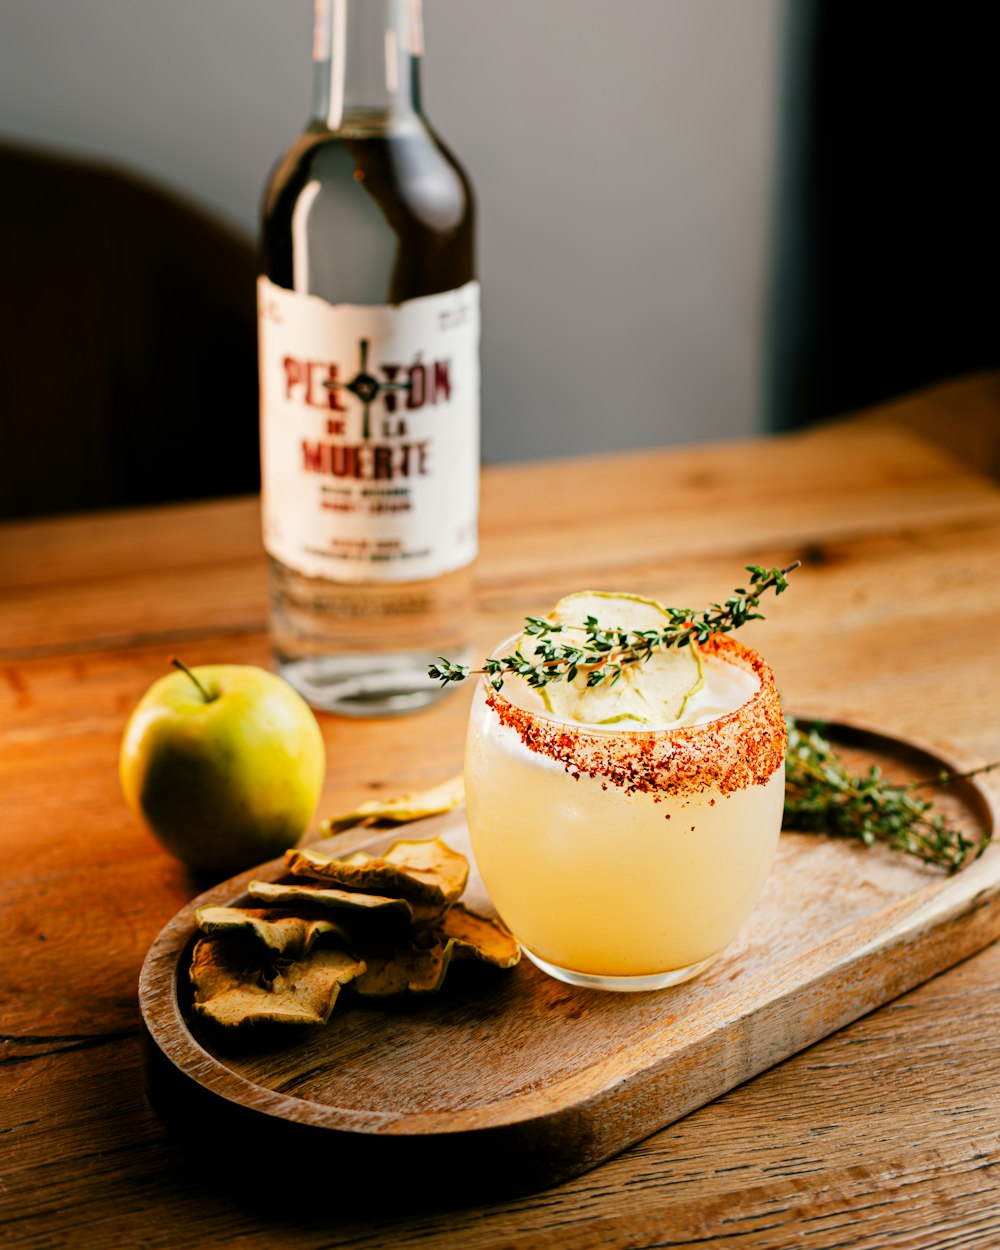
{"points": [[621, 856]]}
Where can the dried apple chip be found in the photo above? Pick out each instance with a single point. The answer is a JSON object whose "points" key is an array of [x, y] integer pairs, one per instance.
{"points": [[233, 991], [424, 870], [480, 937], [401, 810], [292, 895], [280, 932], [406, 970], [433, 861]]}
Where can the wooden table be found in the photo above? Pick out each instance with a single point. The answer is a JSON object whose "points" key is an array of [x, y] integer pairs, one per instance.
{"points": [[885, 1133]]}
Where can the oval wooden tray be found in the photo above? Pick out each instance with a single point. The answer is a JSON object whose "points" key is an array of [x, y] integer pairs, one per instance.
{"points": [[510, 1080]]}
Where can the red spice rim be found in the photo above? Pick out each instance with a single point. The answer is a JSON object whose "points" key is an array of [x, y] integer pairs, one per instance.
{"points": [[743, 747]]}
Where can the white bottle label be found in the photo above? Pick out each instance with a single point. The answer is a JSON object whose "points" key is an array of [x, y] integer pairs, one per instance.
{"points": [[369, 434]]}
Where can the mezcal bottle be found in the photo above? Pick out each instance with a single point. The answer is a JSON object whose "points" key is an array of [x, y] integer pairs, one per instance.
{"points": [[369, 372]]}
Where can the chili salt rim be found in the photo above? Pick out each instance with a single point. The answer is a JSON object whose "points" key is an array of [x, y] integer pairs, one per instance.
{"points": [[743, 748]]}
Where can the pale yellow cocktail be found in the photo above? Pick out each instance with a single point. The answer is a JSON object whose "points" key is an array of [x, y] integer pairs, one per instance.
{"points": [[626, 858]]}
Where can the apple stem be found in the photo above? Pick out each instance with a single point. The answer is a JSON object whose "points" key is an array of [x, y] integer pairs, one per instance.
{"points": [[209, 698]]}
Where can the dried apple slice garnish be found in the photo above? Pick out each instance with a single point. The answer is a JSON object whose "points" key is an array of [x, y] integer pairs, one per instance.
{"points": [[234, 991], [290, 894], [427, 870], [404, 970], [479, 937], [282, 933], [401, 810]]}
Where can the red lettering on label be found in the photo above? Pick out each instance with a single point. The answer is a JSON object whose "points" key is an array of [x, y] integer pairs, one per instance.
{"points": [[315, 376], [417, 377], [293, 374], [343, 461], [442, 380], [369, 462], [332, 393], [383, 463], [318, 384], [315, 457]]}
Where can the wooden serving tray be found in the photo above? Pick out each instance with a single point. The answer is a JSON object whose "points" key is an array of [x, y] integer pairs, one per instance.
{"points": [[510, 1080]]}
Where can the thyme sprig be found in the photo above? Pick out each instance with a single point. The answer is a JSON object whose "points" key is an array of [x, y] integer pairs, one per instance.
{"points": [[604, 654], [822, 796]]}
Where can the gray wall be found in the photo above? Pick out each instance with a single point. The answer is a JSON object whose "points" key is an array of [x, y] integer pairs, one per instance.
{"points": [[623, 155]]}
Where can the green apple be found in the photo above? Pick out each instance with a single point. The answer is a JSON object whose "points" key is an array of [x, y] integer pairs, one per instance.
{"points": [[224, 764]]}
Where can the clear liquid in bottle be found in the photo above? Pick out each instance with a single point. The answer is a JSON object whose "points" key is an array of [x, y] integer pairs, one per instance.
{"points": [[370, 417]]}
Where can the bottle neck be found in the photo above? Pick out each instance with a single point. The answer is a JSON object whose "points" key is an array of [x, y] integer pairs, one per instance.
{"points": [[367, 63]]}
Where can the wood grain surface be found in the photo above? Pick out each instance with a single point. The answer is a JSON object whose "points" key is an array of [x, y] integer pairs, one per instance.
{"points": [[884, 1134]]}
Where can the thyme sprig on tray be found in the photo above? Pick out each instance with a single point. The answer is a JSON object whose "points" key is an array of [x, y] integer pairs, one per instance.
{"points": [[822, 796], [604, 654]]}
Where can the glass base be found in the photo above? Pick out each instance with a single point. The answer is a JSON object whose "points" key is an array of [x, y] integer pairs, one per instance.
{"points": [[376, 685], [628, 985]]}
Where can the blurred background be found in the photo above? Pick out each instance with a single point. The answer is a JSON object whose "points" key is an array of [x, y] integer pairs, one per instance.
{"points": [[699, 219]]}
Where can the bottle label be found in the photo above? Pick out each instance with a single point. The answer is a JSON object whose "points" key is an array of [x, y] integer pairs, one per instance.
{"points": [[369, 434]]}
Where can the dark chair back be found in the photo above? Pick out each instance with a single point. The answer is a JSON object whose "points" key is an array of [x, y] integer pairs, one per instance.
{"points": [[128, 368]]}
